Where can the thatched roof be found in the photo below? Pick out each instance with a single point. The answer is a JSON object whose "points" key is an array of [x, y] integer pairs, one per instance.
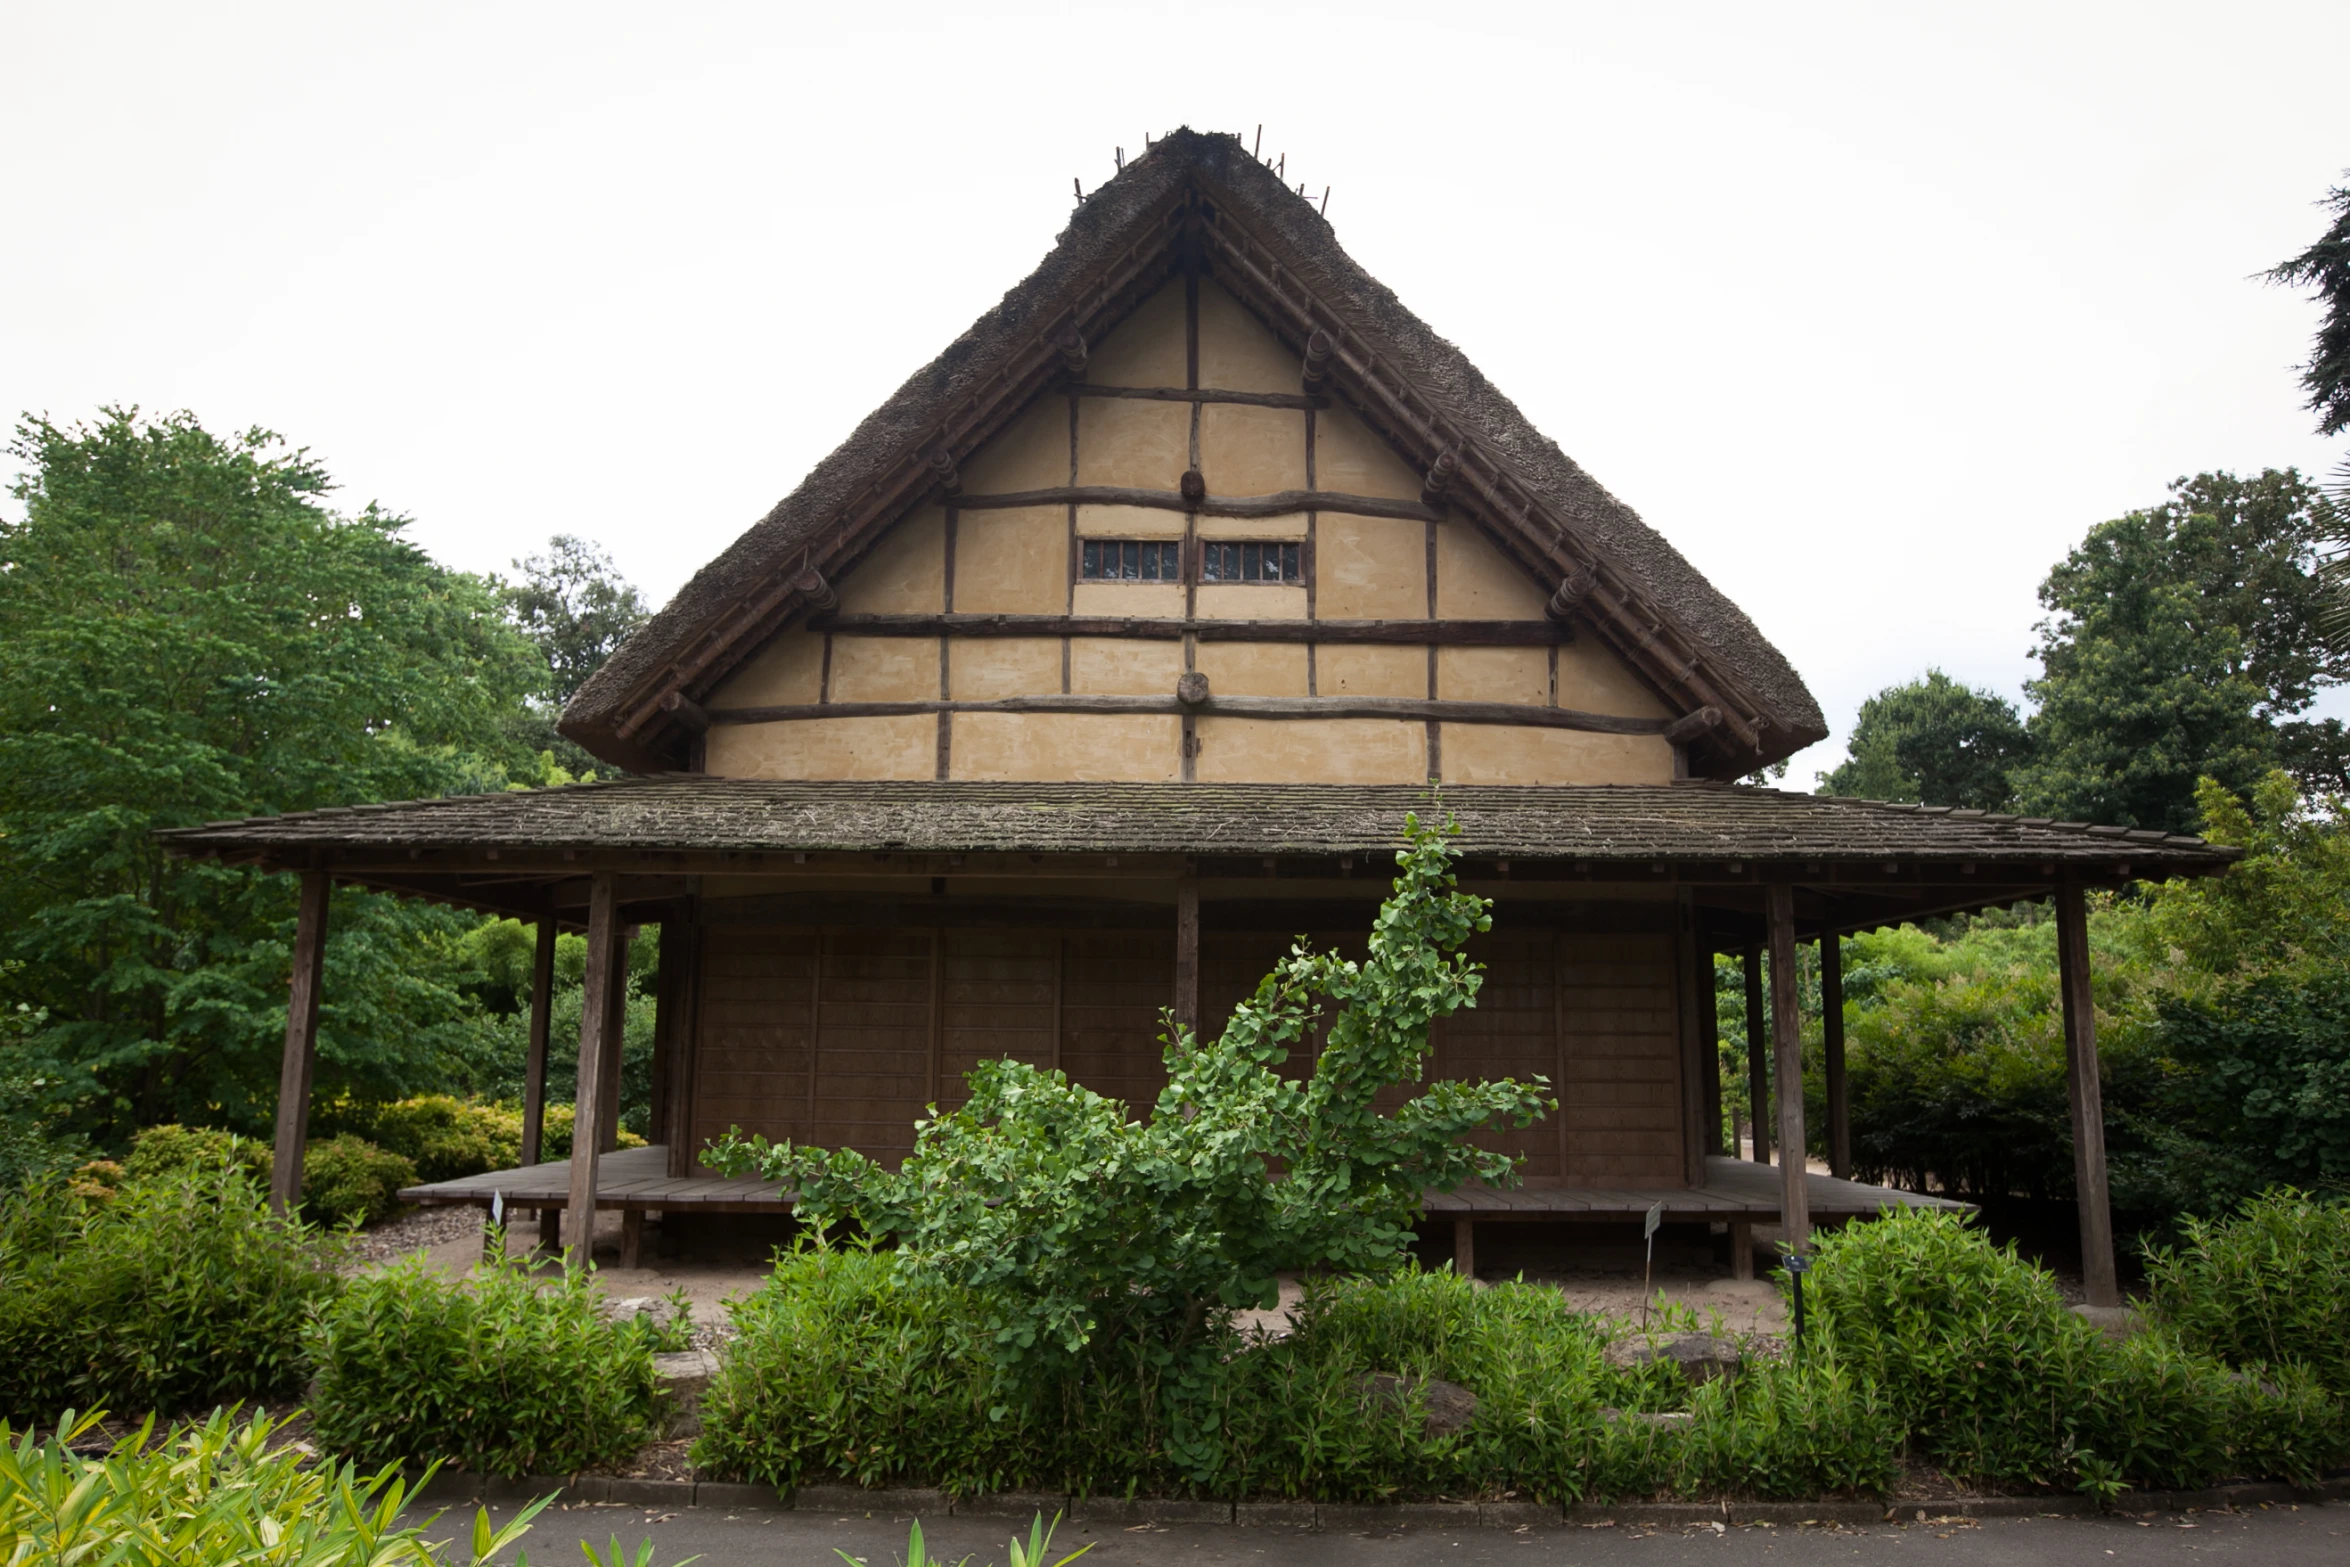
{"points": [[1269, 245]]}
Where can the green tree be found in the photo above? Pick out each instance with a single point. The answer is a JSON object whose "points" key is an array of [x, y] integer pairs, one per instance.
{"points": [[2325, 268], [2180, 642], [1936, 741], [1083, 1225], [188, 633], [576, 609]]}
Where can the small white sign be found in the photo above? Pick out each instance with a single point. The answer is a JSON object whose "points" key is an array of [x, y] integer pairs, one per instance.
{"points": [[1656, 1217]]}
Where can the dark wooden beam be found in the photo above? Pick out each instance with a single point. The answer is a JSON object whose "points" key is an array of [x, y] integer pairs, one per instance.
{"points": [[1187, 953], [301, 1052], [1184, 394], [2086, 1094], [595, 1020], [1787, 1048], [814, 591], [1278, 504], [534, 1065], [1569, 598], [1441, 473], [1233, 706], [1832, 1040], [1689, 726], [1758, 1073], [1315, 373], [690, 715], [1474, 633]]}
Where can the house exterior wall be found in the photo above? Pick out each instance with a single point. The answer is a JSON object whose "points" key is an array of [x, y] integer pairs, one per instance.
{"points": [[1024, 560]]}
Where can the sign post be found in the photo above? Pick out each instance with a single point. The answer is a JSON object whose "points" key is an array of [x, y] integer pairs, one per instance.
{"points": [[1656, 1217]]}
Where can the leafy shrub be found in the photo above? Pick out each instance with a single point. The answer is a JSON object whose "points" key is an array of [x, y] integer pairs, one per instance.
{"points": [[1975, 1353], [179, 1291], [210, 1493], [844, 1365], [348, 1180], [173, 1149], [449, 1138], [2268, 1287], [499, 1373]]}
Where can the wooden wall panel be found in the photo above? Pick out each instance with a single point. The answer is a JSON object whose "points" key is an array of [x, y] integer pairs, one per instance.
{"points": [[1512, 1031], [1113, 985], [1000, 1001], [751, 1062], [1622, 1083], [873, 1040]]}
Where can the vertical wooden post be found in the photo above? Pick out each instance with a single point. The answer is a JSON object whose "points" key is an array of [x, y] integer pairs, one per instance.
{"points": [[595, 1022], [1187, 953], [1787, 1042], [1696, 1140], [1758, 1072], [1464, 1247], [664, 1018], [1832, 1038], [615, 1040], [2086, 1094], [1709, 1044], [534, 1070], [301, 1057], [936, 1050], [683, 1032]]}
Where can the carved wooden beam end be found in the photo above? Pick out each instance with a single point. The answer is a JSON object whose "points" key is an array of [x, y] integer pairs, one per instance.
{"points": [[1690, 726], [689, 713], [1192, 689], [1441, 473], [942, 468], [1317, 367], [1571, 594], [816, 591], [1071, 346], [1194, 486]]}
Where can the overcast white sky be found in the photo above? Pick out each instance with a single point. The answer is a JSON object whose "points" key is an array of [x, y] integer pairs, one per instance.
{"points": [[1871, 309]]}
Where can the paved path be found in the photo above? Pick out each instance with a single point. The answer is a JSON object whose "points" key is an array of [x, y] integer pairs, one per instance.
{"points": [[2280, 1536]]}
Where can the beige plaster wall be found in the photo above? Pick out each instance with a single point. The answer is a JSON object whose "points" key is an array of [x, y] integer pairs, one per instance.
{"points": [[1012, 562], [1289, 525], [1353, 669], [1236, 352], [859, 748], [1253, 668], [1142, 445], [1310, 750], [884, 669], [1475, 581], [1146, 349], [987, 669], [1370, 568], [1128, 522], [1593, 680], [906, 572], [1500, 754], [1249, 601], [787, 672], [1134, 600], [1113, 666], [1245, 450], [1032, 453], [1493, 674], [1348, 458], [1080, 747]]}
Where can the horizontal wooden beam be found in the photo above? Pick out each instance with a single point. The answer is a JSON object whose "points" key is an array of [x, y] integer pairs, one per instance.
{"points": [[1179, 394], [1231, 706], [1473, 633], [1278, 504]]}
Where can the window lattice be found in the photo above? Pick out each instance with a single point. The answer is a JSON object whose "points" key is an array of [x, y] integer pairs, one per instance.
{"points": [[1131, 560], [1221, 561]]}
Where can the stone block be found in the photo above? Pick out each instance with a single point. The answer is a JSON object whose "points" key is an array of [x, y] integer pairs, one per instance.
{"points": [[2112, 1321], [1259, 1514], [653, 1493], [1450, 1407], [893, 1502], [1385, 1517], [680, 1379], [1519, 1515], [1022, 1505], [738, 1497], [1123, 1511], [1701, 1357]]}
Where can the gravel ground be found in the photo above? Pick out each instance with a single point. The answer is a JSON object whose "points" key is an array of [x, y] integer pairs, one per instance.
{"points": [[412, 1229]]}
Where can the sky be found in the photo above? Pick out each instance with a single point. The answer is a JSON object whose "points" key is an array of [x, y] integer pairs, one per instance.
{"points": [[1873, 310]]}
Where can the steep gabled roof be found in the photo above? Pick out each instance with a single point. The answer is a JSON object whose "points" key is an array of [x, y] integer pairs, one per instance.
{"points": [[1201, 199]]}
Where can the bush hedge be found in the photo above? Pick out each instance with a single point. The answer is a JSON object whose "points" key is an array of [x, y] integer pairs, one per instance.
{"points": [[2270, 1286], [502, 1373], [174, 1292], [345, 1179], [449, 1138]]}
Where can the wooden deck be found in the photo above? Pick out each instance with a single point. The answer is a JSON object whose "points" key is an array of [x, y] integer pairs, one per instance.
{"points": [[637, 1178]]}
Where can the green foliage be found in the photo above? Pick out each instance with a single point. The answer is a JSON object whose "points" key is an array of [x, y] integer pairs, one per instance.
{"points": [[348, 1180], [1076, 1223], [576, 609], [1936, 741], [846, 1365], [221, 1491], [172, 1149], [1995, 1381], [501, 1372], [2178, 638], [2325, 268], [187, 633], [177, 1291], [447, 1138], [2269, 1286]]}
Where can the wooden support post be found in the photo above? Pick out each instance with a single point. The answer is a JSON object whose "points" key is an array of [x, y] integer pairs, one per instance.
{"points": [[1758, 1072], [534, 1069], [1787, 1046], [632, 1237], [615, 1042], [1697, 1140], [1464, 1247], [1709, 1045], [1741, 1249], [301, 1057], [595, 1021], [2087, 1096], [1832, 1039], [1187, 953], [681, 958]]}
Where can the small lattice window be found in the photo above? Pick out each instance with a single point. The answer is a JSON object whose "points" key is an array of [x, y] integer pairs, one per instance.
{"points": [[1247, 562], [1131, 560]]}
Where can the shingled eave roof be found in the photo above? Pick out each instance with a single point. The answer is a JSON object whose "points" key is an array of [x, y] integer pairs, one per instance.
{"points": [[1637, 824], [1281, 256]]}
